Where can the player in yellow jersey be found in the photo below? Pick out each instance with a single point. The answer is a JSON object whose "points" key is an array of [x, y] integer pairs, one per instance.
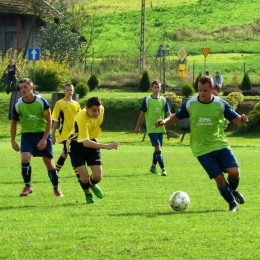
{"points": [[63, 116], [83, 147]]}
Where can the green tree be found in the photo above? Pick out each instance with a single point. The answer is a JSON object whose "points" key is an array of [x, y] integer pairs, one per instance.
{"points": [[145, 82], [246, 82], [187, 90], [82, 89], [93, 82], [58, 37]]}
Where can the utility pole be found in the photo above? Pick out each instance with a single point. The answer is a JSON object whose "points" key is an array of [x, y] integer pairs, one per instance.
{"points": [[142, 37]]}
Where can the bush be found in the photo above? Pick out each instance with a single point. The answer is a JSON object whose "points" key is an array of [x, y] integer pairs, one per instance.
{"points": [[253, 118], [49, 75], [176, 100], [82, 89], [145, 82], [93, 82], [196, 83], [234, 99], [246, 83], [187, 90]]}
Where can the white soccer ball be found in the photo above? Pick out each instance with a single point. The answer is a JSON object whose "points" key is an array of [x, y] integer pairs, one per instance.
{"points": [[179, 201]]}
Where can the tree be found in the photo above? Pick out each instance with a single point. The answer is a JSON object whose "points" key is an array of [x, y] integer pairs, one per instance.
{"points": [[89, 27], [58, 38], [39, 9], [145, 82]]}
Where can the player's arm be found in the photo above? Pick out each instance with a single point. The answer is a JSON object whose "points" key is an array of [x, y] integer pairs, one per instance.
{"points": [[47, 115], [15, 146], [240, 119], [54, 128], [139, 121], [170, 120], [92, 144]]}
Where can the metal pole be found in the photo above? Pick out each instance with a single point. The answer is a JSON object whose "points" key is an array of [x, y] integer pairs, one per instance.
{"points": [[164, 75]]}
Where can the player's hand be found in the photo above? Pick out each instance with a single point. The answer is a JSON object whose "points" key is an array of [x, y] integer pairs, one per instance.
{"points": [[244, 118], [53, 139], [159, 122], [42, 144], [137, 130], [113, 145], [16, 147]]}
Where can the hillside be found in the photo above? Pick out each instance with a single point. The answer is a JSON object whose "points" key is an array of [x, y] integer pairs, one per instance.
{"points": [[224, 26]]}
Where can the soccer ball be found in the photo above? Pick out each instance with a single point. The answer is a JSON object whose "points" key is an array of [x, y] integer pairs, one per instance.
{"points": [[179, 201]]}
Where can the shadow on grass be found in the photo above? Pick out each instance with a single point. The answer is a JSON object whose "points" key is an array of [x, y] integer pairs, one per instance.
{"points": [[152, 215]]}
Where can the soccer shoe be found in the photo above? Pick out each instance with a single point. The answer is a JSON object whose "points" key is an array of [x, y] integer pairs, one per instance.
{"points": [[90, 199], [58, 193], [164, 172], [238, 197], [154, 171], [26, 191], [233, 209], [97, 191]]}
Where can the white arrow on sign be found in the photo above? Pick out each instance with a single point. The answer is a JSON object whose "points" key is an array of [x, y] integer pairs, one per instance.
{"points": [[34, 52]]}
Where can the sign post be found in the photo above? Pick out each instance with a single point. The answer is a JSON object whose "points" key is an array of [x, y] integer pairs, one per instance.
{"points": [[34, 54], [182, 54], [205, 52]]}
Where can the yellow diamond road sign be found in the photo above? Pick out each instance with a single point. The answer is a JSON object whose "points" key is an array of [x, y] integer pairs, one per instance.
{"points": [[182, 54]]}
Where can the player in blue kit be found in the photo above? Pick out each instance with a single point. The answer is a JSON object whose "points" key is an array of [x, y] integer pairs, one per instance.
{"points": [[207, 115], [34, 114], [153, 108]]}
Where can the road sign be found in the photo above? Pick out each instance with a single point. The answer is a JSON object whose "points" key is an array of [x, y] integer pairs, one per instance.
{"points": [[34, 53], [182, 70], [205, 51], [182, 54]]}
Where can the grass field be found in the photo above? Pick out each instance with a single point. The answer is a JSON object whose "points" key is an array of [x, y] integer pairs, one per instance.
{"points": [[134, 219]]}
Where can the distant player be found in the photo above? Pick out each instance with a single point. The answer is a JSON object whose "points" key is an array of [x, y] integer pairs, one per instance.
{"points": [[63, 116], [34, 114], [208, 143], [153, 108], [83, 147]]}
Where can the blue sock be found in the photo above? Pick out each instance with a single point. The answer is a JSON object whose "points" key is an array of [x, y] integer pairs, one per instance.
{"points": [[26, 173], [54, 178], [227, 194], [159, 159]]}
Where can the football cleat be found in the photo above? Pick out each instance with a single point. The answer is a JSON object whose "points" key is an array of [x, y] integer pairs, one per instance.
{"points": [[26, 191], [58, 193], [90, 199], [238, 197], [97, 191], [164, 172], [154, 171], [233, 209]]}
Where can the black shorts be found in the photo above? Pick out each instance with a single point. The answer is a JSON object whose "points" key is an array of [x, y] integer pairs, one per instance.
{"points": [[80, 155]]}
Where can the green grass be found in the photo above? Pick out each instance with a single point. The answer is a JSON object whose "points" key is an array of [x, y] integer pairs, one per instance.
{"points": [[134, 219]]}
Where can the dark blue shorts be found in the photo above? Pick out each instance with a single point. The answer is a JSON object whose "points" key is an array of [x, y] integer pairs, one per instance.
{"points": [[156, 138], [218, 161], [29, 142]]}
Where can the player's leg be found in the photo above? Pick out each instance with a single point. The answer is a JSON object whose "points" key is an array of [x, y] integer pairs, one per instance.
{"points": [[230, 165], [47, 156], [52, 173], [210, 162], [26, 173], [154, 141], [93, 160], [9, 81]]}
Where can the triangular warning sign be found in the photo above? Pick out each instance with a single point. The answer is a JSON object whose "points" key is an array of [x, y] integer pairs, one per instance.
{"points": [[205, 51]]}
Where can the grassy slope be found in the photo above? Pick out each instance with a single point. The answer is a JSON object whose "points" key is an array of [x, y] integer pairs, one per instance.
{"points": [[213, 24]]}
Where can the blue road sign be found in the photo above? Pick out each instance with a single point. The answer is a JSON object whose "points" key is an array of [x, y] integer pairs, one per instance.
{"points": [[34, 53]]}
